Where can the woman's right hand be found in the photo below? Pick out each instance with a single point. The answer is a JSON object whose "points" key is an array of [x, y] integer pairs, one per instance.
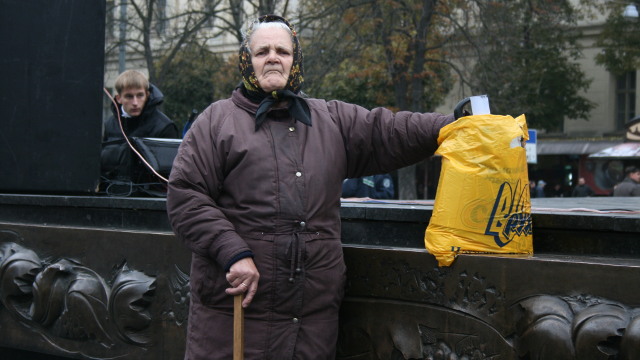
{"points": [[243, 277]]}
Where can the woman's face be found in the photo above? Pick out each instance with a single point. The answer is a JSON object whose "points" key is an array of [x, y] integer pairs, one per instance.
{"points": [[271, 57]]}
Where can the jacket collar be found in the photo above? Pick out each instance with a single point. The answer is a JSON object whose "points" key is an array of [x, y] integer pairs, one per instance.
{"points": [[244, 103]]}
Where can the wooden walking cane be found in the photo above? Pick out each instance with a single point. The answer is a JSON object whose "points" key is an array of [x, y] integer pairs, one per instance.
{"points": [[238, 328]]}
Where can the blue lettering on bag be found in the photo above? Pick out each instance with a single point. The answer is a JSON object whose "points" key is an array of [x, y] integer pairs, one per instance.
{"points": [[508, 219]]}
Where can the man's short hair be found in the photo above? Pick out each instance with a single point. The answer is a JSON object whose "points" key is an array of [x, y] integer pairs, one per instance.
{"points": [[131, 79], [631, 169]]}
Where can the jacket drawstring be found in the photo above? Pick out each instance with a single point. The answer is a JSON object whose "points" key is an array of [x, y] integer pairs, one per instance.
{"points": [[295, 251]]}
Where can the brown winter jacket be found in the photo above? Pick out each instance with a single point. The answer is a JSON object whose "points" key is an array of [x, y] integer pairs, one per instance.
{"points": [[276, 192]]}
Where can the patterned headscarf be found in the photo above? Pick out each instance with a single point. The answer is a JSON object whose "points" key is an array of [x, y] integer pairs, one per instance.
{"points": [[297, 106], [294, 83]]}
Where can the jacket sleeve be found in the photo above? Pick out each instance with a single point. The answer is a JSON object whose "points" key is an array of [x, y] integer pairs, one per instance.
{"points": [[170, 131], [194, 185], [378, 141], [166, 127]]}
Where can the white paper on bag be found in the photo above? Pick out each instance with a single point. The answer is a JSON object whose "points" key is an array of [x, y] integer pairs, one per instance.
{"points": [[480, 105]]}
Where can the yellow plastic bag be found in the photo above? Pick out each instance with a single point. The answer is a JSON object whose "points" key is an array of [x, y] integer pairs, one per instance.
{"points": [[482, 204]]}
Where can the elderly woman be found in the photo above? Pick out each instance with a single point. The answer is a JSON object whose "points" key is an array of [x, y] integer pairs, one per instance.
{"points": [[254, 193]]}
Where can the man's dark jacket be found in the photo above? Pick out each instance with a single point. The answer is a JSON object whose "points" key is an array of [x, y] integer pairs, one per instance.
{"points": [[582, 191], [116, 156]]}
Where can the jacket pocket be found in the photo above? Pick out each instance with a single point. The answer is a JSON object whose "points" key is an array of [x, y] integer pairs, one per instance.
{"points": [[206, 281]]}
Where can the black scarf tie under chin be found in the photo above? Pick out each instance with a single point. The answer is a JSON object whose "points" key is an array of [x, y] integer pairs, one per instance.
{"points": [[298, 107]]}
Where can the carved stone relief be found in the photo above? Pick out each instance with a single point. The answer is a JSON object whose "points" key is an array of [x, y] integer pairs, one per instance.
{"points": [[181, 291], [399, 305], [578, 327], [72, 307], [396, 309], [393, 330]]}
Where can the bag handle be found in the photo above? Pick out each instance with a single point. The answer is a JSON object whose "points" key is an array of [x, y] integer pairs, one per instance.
{"points": [[458, 112]]}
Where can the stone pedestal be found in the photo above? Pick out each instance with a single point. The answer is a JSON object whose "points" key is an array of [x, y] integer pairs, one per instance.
{"points": [[91, 277]]}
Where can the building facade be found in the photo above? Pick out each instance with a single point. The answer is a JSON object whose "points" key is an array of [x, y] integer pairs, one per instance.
{"points": [[561, 157]]}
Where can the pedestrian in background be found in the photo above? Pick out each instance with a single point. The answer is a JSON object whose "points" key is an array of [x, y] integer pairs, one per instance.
{"points": [[373, 186], [582, 189], [557, 190], [540, 193], [630, 186], [532, 188]]}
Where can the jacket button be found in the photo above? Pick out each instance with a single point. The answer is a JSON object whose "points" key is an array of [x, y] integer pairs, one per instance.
{"points": [[298, 173], [292, 128], [295, 320], [303, 224]]}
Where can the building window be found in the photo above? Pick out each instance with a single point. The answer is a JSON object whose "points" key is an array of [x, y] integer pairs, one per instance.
{"points": [[625, 99]]}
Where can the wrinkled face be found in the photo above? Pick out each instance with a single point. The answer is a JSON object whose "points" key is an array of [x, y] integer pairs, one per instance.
{"points": [[132, 100], [271, 57]]}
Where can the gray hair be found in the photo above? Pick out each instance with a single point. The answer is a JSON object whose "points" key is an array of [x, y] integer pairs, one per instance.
{"points": [[255, 25]]}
